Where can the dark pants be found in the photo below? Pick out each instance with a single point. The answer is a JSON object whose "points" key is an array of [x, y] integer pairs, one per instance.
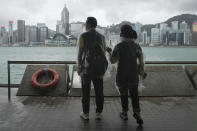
{"points": [[132, 89], [98, 87]]}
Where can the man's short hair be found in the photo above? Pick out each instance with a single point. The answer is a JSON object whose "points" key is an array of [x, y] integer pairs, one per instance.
{"points": [[92, 21]]}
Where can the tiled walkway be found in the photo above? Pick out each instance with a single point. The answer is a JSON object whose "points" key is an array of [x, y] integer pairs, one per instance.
{"points": [[62, 114]]}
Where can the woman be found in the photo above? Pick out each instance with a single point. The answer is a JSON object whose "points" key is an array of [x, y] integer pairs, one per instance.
{"points": [[126, 54]]}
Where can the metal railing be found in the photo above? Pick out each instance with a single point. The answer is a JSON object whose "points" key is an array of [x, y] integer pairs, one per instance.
{"points": [[74, 62]]}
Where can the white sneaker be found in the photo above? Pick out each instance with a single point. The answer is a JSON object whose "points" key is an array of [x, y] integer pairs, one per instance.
{"points": [[84, 116], [99, 116]]}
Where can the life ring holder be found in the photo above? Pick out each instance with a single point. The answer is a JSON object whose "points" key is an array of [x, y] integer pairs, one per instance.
{"points": [[36, 84]]}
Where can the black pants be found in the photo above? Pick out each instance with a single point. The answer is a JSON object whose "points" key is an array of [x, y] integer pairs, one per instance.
{"points": [[132, 89], [98, 87]]}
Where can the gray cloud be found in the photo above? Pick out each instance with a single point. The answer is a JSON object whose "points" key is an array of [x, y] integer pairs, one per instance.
{"points": [[106, 11]]}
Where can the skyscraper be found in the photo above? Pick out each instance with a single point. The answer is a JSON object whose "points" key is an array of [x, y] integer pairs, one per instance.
{"points": [[194, 34], [43, 34], [21, 30], [138, 27], [76, 29], [183, 26], [34, 34], [39, 25], [155, 36], [27, 34], [163, 31], [65, 20], [59, 27], [175, 25], [10, 35], [2, 30], [144, 36]]}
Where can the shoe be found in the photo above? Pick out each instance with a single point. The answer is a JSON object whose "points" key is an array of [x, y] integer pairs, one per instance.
{"points": [[124, 115], [99, 116], [138, 118], [84, 116]]}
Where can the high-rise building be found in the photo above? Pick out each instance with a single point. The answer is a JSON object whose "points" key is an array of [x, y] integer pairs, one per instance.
{"points": [[183, 26], [194, 34], [137, 28], [65, 20], [144, 36], [175, 25], [27, 34], [34, 34], [155, 36], [2, 30], [59, 27], [179, 37], [39, 25], [5, 37], [187, 32], [21, 30], [10, 35], [43, 34], [15, 36], [76, 29], [163, 31]]}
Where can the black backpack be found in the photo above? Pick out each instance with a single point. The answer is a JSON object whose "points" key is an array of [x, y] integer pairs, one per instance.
{"points": [[95, 59]]}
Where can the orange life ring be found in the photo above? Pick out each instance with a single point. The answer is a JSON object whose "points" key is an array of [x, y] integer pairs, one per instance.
{"points": [[36, 84]]}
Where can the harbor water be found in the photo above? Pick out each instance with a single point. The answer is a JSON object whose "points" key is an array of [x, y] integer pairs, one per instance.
{"points": [[70, 54]]}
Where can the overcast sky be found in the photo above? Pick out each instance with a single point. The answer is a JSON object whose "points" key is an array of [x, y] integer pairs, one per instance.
{"points": [[106, 11]]}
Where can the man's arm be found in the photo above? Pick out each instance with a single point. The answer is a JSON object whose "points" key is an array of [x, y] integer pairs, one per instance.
{"points": [[141, 62], [112, 59], [80, 52]]}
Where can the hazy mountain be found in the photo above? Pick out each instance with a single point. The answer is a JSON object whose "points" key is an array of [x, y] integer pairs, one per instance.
{"points": [[188, 18], [116, 28]]}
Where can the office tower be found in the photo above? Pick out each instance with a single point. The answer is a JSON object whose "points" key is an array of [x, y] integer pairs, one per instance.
{"points": [[43, 34], [2, 30], [76, 29], [21, 30], [59, 27], [144, 38], [15, 36], [183, 26], [163, 31], [33, 34], [65, 20], [175, 25], [27, 34], [155, 36], [187, 32], [10, 35], [194, 33], [137, 28], [39, 25]]}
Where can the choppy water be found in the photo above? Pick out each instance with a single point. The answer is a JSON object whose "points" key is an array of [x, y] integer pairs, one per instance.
{"points": [[70, 54]]}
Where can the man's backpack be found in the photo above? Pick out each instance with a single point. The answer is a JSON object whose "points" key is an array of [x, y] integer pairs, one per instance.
{"points": [[95, 59]]}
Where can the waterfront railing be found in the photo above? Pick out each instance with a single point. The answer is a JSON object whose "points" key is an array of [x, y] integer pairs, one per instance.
{"points": [[9, 85]]}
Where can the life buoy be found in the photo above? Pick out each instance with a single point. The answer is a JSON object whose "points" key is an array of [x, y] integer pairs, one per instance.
{"points": [[36, 84]]}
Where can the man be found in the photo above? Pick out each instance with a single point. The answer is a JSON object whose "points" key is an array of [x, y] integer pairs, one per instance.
{"points": [[91, 45], [126, 54]]}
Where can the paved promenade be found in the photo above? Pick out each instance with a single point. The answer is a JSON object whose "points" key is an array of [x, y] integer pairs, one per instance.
{"points": [[62, 114]]}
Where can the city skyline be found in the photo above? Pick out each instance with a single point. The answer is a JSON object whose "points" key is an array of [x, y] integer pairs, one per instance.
{"points": [[151, 12]]}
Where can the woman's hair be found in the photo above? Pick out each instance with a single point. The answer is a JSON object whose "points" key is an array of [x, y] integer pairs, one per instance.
{"points": [[128, 32]]}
